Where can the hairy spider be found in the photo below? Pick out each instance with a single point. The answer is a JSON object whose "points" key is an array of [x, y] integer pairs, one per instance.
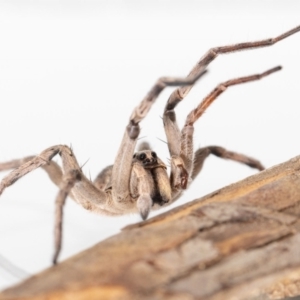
{"points": [[139, 181]]}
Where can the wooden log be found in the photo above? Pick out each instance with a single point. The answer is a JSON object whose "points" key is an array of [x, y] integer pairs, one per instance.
{"points": [[240, 242]]}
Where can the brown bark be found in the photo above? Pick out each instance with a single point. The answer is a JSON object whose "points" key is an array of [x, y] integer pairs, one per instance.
{"points": [[240, 242]]}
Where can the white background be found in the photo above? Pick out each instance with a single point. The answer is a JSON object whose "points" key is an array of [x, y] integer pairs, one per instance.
{"points": [[72, 71]]}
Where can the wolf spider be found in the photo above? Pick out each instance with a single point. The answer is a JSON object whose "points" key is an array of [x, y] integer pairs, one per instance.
{"points": [[138, 181]]}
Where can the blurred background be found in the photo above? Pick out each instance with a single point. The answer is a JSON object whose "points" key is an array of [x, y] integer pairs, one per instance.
{"points": [[71, 72]]}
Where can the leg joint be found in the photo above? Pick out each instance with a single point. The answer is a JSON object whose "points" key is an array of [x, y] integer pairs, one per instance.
{"points": [[133, 130], [170, 114]]}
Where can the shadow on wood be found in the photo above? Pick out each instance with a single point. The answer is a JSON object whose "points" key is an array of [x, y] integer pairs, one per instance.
{"points": [[240, 242]]}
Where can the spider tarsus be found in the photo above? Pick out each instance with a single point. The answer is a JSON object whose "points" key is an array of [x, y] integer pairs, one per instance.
{"points": [[54, 261], [255, 165], [268, 72]]}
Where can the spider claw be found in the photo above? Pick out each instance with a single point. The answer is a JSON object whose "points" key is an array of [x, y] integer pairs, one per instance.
{"points": [[144, 204]]}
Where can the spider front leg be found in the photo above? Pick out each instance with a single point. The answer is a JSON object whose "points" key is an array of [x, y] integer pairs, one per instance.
{"points": [[184, 165], [122, 168]]}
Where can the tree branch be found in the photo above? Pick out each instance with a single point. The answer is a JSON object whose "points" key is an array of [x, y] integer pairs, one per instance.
{"points": [[241, 242]]}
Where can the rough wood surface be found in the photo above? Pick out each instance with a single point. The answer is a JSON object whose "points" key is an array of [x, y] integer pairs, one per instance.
{"points": [[240, 242]]}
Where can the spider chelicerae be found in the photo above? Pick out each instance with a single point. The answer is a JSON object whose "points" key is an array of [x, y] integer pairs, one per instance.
{"points": [[139, 181]]}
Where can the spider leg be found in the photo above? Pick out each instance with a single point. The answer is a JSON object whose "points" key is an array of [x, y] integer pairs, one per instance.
{"points": [[13, 164], [122, 167], [27, 166], [52, 168], [182, 163], [202, 153], [68, 182], [103, 179], [196, 113], [83, 190], [212, 53], [171, 128]]}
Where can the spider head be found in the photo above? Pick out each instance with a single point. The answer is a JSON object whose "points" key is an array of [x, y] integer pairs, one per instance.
{"points": [[148, 158]]}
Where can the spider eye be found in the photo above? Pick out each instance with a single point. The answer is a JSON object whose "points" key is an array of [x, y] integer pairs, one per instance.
{"points": [[153, 154], [134, 155], [142, 156]]}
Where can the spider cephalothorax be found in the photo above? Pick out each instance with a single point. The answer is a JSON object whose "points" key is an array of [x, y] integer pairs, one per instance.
{"points": [[138, 182], [149, 174], [148, 158]]}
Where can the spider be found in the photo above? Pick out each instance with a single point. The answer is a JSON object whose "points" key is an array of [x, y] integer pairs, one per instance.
{"points": [[139, 181]]}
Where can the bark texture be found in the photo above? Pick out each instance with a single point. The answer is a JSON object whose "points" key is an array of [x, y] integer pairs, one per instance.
{"points": [[240, 242]]}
